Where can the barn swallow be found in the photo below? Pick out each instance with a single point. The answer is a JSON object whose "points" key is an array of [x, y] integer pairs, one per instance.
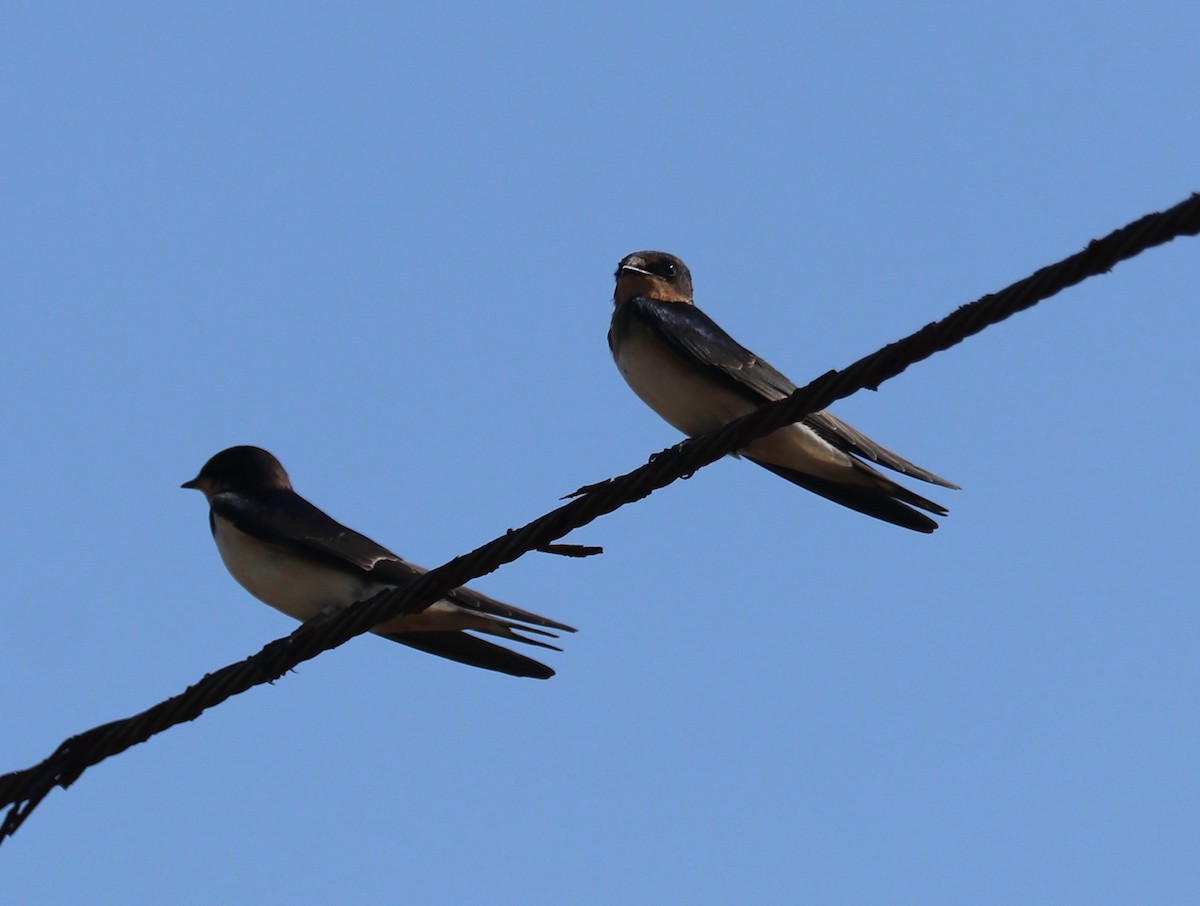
{"points": [[291, 555], [698, 378]]}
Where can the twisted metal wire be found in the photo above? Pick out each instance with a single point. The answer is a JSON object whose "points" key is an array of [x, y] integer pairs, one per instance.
{"points": [[22, 791]]}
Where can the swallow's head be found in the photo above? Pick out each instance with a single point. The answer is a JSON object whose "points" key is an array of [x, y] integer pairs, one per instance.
{"points": [[655, 275], [240, 469]]}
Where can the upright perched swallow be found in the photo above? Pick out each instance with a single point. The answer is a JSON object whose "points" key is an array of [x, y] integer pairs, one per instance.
{"points": [[291, 555], [698, 378]]}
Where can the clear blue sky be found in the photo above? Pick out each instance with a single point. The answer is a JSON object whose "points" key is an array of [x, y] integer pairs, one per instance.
{"points": [[379, 239]]}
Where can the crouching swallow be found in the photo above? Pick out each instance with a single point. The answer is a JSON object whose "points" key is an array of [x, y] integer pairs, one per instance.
{"points": [[698, 378], [291, 555]]}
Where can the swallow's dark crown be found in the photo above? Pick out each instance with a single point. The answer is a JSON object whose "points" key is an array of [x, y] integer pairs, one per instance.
{"points": [[243, 468]]}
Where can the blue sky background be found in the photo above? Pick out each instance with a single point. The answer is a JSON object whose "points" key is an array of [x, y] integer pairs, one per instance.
{"points": [[378, 239]]}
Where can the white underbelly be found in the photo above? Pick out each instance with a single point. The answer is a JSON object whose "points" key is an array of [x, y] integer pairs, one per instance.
{"points": [[294, 585], [694, 404], [683, 396], [302, 589]]}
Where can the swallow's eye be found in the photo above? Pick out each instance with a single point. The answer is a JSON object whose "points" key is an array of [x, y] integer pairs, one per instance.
{"points": [[669, 269]]}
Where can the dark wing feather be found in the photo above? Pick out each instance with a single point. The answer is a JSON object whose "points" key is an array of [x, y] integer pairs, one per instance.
{"points": [[851, 440], [473, 600], [398, 571], [286, 519], [886, 501], [475, 652], [695, 336]]}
